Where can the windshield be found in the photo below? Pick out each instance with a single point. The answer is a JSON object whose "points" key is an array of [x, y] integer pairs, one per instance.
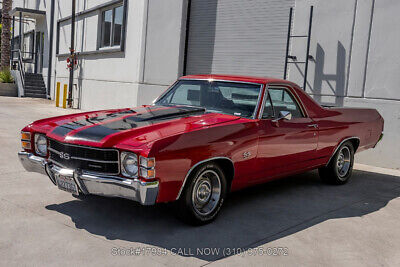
{"points": [[239, 99]]}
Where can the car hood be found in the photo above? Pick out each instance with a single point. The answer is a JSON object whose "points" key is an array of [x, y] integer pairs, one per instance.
{"points": [[128, 127]]}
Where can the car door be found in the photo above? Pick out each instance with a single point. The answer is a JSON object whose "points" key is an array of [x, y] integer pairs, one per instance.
{"points": [[285, 145]]}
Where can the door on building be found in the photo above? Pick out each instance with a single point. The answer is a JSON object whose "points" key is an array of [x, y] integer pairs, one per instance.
{"points": [[39, 41], [237, 37]]}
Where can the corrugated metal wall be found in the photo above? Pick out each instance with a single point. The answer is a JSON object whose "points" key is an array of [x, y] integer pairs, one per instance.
{"points": [[238, 37]]}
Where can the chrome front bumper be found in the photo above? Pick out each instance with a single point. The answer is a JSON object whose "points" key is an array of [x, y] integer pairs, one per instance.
{"points": [[96, 184]]}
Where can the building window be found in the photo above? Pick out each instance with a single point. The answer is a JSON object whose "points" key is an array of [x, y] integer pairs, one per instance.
{"points": [[111, 27]]}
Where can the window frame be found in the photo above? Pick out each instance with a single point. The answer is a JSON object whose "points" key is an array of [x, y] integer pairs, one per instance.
{"points": [[96, 10], [101, 26], [289, 90]]}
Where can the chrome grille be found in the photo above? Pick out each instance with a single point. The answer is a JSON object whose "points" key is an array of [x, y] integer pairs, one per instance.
{"points": [[84, 158]]}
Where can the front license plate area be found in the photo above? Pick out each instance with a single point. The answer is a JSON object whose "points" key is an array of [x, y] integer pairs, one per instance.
{"points": [[66, 183]]}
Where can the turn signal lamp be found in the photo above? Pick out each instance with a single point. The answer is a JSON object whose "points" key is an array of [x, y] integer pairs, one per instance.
{"points": [[26, 140], [147, 167]]}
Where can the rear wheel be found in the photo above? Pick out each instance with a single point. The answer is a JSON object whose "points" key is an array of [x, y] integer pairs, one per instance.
{"points": [[340, 168], [203, 195]]}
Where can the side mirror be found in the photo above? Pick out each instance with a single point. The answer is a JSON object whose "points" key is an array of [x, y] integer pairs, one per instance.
{"points": [[283, 115]]}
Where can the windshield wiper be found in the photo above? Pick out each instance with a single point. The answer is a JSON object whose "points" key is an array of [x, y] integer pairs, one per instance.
{"points": [[182, 106], [217, 111]]}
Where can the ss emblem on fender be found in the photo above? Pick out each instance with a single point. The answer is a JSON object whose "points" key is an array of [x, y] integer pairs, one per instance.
{"points": [[64, 156], [246, 154]]}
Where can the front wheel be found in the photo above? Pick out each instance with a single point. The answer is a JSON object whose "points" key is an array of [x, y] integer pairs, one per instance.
{"points": [[340, 168], [203, 195]]}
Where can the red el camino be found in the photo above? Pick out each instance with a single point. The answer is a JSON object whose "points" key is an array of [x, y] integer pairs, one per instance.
{"points": [[205, 136]]}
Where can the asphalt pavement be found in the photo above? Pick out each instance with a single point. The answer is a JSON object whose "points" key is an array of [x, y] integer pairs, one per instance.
{"points": [[297, 221]]}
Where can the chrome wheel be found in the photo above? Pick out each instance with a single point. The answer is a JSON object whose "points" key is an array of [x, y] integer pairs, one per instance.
{"points": [[206, 192], [343, 162]]}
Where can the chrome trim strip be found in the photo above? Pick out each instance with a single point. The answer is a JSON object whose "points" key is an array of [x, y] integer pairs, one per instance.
{"points": [[338, 146], [263, 103], [197, 164], [94, 160], [218, 80], [55, 163], [54, 151], [89, 147], [83, 171], [260, 98]]}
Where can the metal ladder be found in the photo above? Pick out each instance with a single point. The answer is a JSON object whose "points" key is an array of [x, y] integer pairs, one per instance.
{"points": [[294, 58]]}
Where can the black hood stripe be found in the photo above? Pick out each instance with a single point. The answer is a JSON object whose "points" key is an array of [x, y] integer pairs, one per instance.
{"points": [[154, 115], [65, 129], [94, 134]]}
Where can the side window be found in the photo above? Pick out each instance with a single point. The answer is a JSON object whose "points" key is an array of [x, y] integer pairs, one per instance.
{"points": [[268, 111], [282, 100]]}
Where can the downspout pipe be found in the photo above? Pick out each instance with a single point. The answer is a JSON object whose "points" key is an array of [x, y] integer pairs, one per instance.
{"points": [[72, 52], [49, 69]]}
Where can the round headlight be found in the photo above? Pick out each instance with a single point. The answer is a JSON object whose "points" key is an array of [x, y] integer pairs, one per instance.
{"points": [[41, 144], [129, 164]]}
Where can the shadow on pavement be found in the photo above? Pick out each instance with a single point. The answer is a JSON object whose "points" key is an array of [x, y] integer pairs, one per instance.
{"points": [[250, 218]]}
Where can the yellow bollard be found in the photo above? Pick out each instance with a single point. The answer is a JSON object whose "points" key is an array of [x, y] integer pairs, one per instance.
{"points": [[58, 94], [65, 96]]}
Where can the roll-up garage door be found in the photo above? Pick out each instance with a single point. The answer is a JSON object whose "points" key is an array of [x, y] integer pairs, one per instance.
{"points": [[245, 37]]}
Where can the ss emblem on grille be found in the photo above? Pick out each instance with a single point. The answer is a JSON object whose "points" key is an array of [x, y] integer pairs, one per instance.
{"points": [[64, 156]]}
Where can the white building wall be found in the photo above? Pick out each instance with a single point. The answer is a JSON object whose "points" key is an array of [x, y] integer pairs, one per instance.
{"points": [[164, 42], [356, 63], [150, 62], [105, 79], [359, 53], [152, 59], [383, 65]]}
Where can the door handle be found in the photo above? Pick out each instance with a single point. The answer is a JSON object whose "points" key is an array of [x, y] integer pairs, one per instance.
{"points": [[313, 125]]}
